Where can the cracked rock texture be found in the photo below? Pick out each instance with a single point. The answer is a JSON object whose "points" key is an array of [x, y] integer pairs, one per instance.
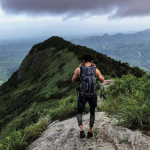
{"points": [[65, 136]]}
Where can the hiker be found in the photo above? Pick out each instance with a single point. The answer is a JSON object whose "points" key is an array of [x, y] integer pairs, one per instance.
{"points": [[82, 98]]}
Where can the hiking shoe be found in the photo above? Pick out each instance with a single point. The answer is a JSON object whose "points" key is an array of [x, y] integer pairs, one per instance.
{"points": [[82, 134], [89, 134]]}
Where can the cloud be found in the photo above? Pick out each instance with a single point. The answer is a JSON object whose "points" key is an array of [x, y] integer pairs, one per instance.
{"points": [[78, 8]]}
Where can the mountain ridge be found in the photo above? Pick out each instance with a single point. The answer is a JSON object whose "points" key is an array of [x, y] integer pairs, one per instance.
{"points": [[42, 84]]}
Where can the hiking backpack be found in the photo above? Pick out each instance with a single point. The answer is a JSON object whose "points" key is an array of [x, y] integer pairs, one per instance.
{"points": [[88, 82]]}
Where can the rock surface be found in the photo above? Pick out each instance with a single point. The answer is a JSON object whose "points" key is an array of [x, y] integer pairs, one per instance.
{"points": [[65, 136]]}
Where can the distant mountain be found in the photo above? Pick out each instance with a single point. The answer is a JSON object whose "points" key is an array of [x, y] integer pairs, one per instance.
{"points": [[44, 78], [11, 56], [132, 48]]}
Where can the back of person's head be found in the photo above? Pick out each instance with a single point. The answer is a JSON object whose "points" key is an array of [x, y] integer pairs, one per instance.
{"points": [[87, 58]]}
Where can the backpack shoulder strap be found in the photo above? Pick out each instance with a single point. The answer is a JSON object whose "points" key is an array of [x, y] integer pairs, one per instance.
{"points": [[94, 71], [82, 73]]}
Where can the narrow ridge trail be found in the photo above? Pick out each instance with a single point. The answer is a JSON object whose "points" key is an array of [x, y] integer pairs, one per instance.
{"points": [[107, 136], [65, 136]]}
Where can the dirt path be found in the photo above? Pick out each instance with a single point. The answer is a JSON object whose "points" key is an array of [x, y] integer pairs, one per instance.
{"points": [[107, 83]]}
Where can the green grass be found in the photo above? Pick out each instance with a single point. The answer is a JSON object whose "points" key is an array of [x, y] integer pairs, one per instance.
{"points": [[128, 99], [19, 139]]}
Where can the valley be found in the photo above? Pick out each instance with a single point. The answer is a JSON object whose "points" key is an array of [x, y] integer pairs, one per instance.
{"points": [[11, 55]]}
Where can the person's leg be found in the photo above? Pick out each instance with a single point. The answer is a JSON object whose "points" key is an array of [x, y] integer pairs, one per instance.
{"points": [[80, 108], [92, 118], [79, 118], [93, 105]]}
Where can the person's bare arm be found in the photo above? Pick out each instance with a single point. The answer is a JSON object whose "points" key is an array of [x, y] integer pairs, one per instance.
{"points": [[100, 77], [76, 75]]}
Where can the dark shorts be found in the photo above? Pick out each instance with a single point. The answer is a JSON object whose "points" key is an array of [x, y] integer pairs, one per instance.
{"points": [[82, 101]]}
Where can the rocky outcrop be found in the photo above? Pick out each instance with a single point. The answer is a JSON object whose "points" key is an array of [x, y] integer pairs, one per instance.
{"points": [[107, 136]]}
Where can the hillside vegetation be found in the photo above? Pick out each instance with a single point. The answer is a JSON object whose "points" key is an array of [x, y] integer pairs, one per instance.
{"points": [[132, 48], [128, 99], [42, 85]]}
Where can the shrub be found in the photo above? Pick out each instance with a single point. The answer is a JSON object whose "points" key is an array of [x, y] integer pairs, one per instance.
{"points": [[34, 131], [65, 108], [19, 140], [128, 99], [15, 141]]}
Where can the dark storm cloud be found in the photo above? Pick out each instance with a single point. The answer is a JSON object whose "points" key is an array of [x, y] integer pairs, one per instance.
{"points": [[70, 8]]}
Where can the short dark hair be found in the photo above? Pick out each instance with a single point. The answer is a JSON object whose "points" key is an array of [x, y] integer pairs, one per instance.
{"points": [[87, 58]]}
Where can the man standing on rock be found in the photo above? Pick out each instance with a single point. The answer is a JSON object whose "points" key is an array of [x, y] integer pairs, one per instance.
{"points": [[88, 74]]}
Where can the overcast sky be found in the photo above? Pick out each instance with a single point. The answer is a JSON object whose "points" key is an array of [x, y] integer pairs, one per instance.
{"points": [[71, 18]]}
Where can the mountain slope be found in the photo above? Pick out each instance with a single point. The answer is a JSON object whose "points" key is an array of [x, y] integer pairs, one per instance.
{"points": [[43, 81]]}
